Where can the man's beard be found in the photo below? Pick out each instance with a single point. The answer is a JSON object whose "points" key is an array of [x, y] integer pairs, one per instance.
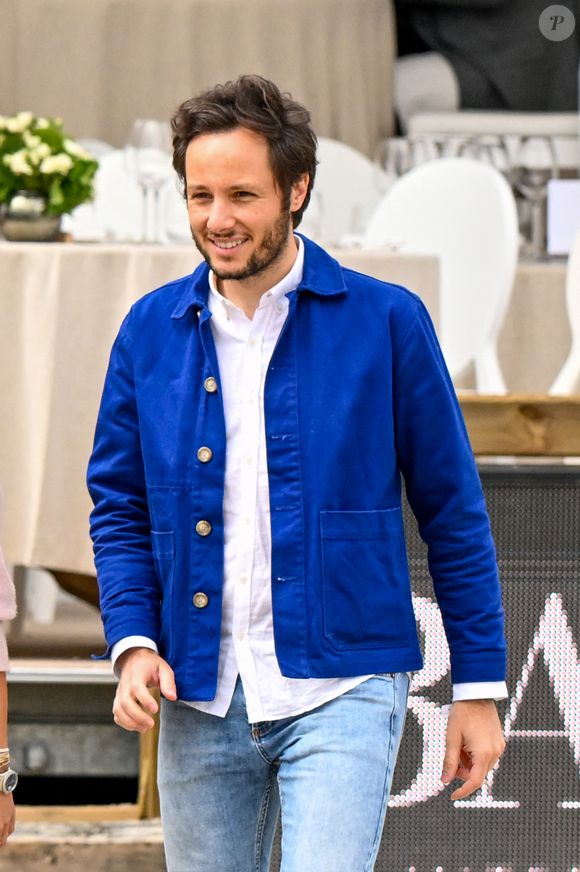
{"points": [[266, 255]]}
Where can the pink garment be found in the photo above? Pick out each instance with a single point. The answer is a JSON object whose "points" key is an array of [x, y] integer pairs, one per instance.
{"points": [[7, 609]]}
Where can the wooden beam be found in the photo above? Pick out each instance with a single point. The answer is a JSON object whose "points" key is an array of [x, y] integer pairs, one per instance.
{"points": [[522, 424], [81, 813]]}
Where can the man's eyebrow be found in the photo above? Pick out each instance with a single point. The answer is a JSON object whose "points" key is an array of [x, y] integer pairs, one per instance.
{"points": [[238, 186]]}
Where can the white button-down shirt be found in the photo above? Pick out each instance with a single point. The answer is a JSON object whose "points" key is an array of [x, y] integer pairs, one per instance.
{"points": [[244, 348]]}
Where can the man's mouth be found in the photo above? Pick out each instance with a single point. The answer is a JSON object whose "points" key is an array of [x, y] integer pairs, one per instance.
{"points": [[226, 244]]}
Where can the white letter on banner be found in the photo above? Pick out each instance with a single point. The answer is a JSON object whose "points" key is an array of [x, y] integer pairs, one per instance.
{"points": [[554, 639], [431, 717]]}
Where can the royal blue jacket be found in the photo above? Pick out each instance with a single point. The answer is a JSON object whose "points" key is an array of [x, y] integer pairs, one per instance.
{"points": [[357, 396]]}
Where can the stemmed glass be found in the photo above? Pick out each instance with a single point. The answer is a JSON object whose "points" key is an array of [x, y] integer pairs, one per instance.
{"points": [[424, 148], [147, 157], [393, 156], [534, 163]]}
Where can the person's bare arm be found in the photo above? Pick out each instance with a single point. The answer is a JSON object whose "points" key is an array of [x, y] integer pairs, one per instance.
{"points": [[474, 744], [140, 669]]}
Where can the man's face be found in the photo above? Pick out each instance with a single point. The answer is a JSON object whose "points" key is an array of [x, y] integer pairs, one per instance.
{"points": [[235, 208]]}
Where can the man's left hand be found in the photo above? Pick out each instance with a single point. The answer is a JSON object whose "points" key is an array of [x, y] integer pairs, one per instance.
{"points": [[474, 744]]}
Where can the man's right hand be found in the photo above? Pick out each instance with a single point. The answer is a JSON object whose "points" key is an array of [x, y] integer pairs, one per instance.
{"points": [[141, 668]]}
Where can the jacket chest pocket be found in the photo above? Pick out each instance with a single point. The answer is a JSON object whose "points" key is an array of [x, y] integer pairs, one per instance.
{"points": [[163, 548], [365, 579]]}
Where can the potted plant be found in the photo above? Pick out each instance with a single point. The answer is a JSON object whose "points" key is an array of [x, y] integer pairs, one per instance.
{"points": [[43, 175]]}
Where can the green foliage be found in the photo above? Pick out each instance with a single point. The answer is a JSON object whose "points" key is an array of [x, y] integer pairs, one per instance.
{"points": [[37, 155]]}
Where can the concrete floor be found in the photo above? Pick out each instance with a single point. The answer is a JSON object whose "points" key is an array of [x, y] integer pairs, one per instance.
{"points": [[123, 846]]}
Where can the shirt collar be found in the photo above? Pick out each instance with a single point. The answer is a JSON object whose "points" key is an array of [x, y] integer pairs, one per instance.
{"points": [[320, 274], [288, 283]]}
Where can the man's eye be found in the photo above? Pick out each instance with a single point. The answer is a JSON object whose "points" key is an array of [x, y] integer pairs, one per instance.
{"points": [[199, 195], [240, 195]]}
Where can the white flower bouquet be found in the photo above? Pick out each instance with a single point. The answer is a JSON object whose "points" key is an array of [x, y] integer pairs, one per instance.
{"points": [[37, 156]]}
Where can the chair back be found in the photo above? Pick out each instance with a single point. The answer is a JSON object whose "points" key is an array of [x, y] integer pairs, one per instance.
{"points": [[463, 211], [568, 379], [347, 188]]}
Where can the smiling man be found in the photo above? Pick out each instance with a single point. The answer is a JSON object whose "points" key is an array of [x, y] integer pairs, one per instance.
{"points": [[256, 421], [239, 221]]}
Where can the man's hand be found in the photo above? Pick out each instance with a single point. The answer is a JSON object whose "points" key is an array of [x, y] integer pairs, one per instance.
{"points": [[474, 744], [141, 668]]}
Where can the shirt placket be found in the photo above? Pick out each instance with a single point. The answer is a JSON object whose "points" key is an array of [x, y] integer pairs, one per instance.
{"points": [[251, 376]]}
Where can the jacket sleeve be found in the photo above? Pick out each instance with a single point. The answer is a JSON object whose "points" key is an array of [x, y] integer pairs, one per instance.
{"points": [[445, 494], [120, 524]]}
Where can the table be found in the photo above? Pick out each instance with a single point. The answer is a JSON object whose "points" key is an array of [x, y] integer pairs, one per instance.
{"points": [[61, 306], [535, 338], [100, 65]]}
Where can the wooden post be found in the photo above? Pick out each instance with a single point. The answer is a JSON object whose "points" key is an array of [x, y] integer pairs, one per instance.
{"points": [[148, 798]]}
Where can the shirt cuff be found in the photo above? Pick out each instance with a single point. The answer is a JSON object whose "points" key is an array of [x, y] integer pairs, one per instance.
{"points": [[129, 642], [480, 690]]}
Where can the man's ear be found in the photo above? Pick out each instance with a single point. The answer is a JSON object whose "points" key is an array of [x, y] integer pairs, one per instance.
{"points": [[299, 191]]}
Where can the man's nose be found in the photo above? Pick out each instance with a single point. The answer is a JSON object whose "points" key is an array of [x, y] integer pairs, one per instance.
{"points": [[220, 218]]}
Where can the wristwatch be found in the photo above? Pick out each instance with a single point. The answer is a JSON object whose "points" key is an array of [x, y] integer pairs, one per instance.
{"points": [[8, 781]]}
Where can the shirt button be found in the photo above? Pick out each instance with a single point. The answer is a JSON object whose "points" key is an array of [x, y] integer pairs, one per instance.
{"points": [[210, 385], [200, 600], [241, 637], [243, 579], [203, 528], [204, 454]]}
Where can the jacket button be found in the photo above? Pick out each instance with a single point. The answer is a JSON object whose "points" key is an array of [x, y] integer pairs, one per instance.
{"points": [[204, 454], [200, 600], [210, 385], [203, 528]]}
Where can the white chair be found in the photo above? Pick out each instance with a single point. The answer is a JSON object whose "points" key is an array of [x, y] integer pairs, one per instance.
{"points": [[116, 213], [173, 218], [463, 211], [347, 188], [568, 379]]}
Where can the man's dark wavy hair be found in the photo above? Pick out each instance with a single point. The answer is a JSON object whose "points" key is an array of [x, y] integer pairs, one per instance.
{"points": [[257, 104]]}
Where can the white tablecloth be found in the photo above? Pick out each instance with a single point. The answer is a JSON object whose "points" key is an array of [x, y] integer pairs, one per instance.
{"points": [[60, 309]]}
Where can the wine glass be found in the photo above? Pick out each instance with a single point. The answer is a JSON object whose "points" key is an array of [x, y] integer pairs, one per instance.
{"points": [[423, 148], [534, 163], [489, 148], [147, 157]]}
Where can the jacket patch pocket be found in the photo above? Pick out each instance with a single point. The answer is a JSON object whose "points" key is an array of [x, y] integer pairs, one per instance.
{"points": [[365, 579], [163, 548]]}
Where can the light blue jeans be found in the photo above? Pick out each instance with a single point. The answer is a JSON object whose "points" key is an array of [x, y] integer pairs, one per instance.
{"points": [[223, 782]]}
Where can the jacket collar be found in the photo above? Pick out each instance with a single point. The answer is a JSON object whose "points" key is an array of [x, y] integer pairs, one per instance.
{"points": [[322, 276]]}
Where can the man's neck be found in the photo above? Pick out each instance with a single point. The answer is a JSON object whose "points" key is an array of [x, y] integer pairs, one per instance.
{"points": [[247, 293]]}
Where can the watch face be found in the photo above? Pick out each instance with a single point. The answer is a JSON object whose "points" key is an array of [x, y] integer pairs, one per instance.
{"points": [[10, 781]]}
